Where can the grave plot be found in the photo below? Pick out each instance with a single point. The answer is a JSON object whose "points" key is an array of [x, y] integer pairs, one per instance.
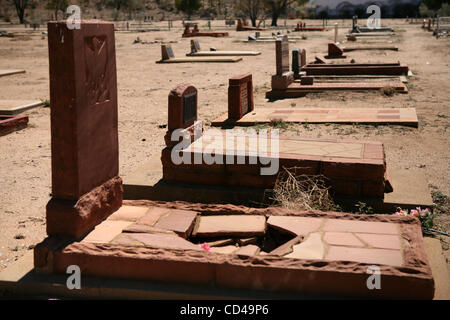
{"points": [[334, 51], [301, 26], [196, 33], [354, 168], [320, 253], [242, 25], [11, 107], [197, 52], [10, 72], [167, 56], [11, 123], [241, 111], [283, 85]]}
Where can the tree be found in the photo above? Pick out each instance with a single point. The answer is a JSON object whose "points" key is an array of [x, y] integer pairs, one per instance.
{"points": [[57, 5], [435, 4], [188, 6], [277, 7], [251, 8], [20, 5]]}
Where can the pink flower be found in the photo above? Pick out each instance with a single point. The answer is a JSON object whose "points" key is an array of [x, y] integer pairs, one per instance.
{"points": [[414, 213], [205, 246]]}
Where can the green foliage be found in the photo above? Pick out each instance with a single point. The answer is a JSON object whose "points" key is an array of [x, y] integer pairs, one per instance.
{"points": [[444, 11], [188, 6], [435, 4], [363, 208]]}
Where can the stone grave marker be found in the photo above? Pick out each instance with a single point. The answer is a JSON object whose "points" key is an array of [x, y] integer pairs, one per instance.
{"points": [[283, 77], [84, 135], [240, 96]]}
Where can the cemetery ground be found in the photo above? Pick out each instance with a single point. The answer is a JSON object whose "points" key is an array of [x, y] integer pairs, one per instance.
{"points": [[143, 88]]}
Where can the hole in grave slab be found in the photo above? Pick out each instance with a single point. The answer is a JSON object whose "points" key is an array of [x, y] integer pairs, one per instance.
{"points": [[271, 240]]}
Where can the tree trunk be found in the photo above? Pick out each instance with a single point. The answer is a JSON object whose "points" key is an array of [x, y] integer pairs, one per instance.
{"points": [[253, 19], [274, 19]]}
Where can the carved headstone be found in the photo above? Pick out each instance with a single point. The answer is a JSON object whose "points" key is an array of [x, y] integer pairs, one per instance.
{"points": [[84, 135], [240, 96]]}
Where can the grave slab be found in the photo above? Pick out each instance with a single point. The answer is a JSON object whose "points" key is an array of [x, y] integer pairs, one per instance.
{"points": [[6, 72], [11, 123], [230, 226], [197, 52], [340, 270], [167, 56], [180, 221], [400, 116], [12, 107]]}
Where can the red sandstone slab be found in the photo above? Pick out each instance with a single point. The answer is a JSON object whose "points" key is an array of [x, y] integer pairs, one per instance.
{"points": [[342, 239], [342, 272], [230, 225], [155, 240], [360, 227], [299, 226], [10, 123], [248, 250], [403, 116], [180, 221], [382, 241], [365, 255], [355, 69], [128, 213], [153, 215]]}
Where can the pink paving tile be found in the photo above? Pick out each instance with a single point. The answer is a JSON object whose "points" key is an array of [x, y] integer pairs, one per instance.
{"points": [[380, 240], [295, 225], [161, 240], [106, 231], [180, 221], [248, 250], [230, 225], [342, 239], [153, 215], [128, 213], [365, 255], [336, 225]]}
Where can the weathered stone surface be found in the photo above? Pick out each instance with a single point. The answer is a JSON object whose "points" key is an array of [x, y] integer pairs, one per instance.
{"points": [[342, 239], [365, 255], [156, 240], [180, 221], [153, 215], [248, 250], [286, 248], [231, 225], [382, 241], [83, 92], [299, 226], [311, 248], [10, 123], [75, 218], [106, 231], [240, 96], [360, 226], [225, 249], [245, 241], [128, 213], [182, 106], [143, 228], [221, 243]]}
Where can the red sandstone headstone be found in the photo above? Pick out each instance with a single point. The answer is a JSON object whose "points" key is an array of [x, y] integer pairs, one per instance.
{"points": [[240, 96], [334, 50], [84, 135], [182, 106], [83, 92], [283, 77]]}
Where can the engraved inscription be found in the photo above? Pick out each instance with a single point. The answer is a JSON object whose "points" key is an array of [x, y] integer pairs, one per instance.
{"points": [[190, 107], [244, 98], [96, 69]]}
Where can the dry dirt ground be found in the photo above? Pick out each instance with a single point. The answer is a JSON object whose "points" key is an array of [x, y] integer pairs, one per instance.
{"points": [[143, 88]]}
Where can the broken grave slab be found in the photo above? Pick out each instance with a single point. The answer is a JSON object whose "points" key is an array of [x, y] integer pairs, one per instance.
{"points": [[230, 225]]}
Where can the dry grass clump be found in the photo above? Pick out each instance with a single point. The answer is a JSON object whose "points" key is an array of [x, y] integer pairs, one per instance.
{"points": [[301, 192], [388, 91]]}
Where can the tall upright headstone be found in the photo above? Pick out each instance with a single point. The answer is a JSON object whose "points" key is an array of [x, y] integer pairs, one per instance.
{"points": [[84, 135], [296, 62], [283, 77]]}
